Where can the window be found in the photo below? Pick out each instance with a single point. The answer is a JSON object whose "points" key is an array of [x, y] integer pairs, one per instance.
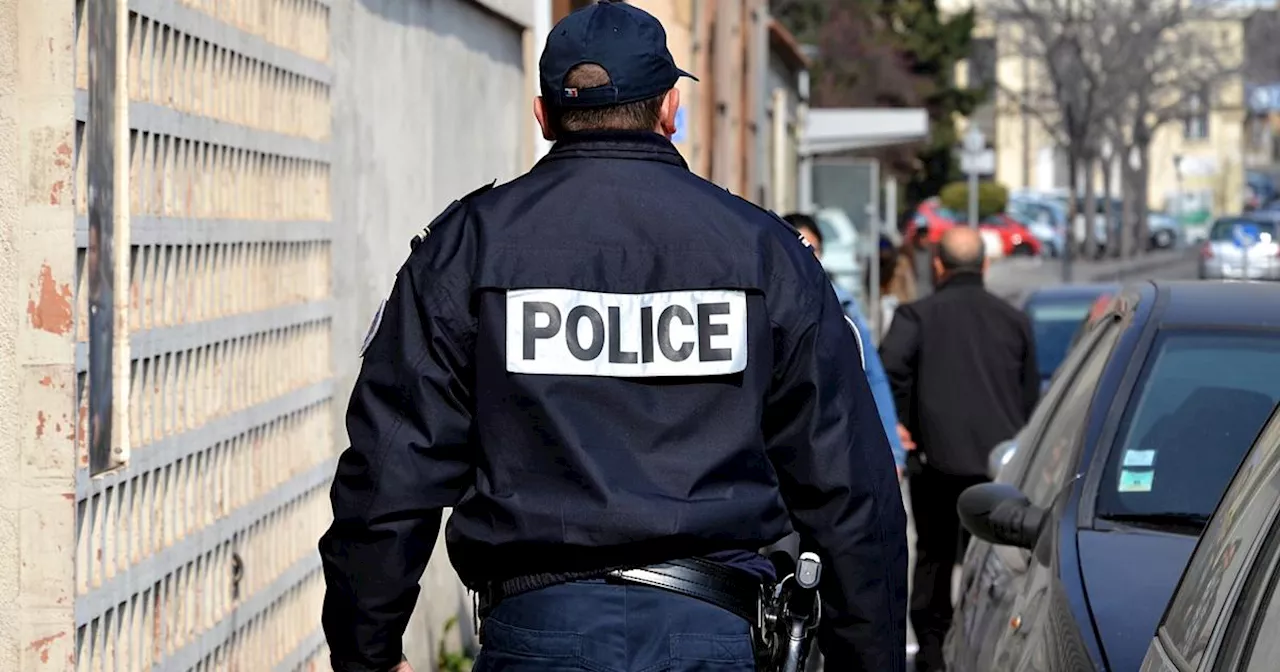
{"points": [[1058, 447], [1196, 124], [1199, 405], [1226, 551], [1054, 324], [1224, 229]]}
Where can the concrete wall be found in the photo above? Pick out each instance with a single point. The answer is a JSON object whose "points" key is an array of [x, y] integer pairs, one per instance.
{"points": [[430, 102], [37, 378]]}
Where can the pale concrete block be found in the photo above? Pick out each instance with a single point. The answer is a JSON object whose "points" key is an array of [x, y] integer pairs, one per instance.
{"points": [[46, 44], [47, 642], [47, 423], [47, 528], [46, 271]]}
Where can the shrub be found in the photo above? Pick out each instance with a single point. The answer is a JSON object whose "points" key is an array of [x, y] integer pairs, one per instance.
{"points": [[992, 198]]}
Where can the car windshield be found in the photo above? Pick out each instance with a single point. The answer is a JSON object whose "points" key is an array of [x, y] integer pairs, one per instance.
{"points": [[1202, 399], [1055, 322], [1224, 229]]}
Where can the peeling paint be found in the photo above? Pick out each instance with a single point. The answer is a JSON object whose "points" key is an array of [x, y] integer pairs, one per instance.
{"points": [[51, 310], [42, 645], [40, 421], [47, 381], [70, 497], [63, 158], [55, 192]]}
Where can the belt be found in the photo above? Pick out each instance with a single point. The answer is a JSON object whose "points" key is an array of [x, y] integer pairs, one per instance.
{"points": [[724, 587]]}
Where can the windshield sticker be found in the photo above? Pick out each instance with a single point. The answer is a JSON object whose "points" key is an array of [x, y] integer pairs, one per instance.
{"points": [[1139, 458], [1136, 481]]}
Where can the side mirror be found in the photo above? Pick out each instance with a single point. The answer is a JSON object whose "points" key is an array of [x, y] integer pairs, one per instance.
{"points": [[1000, 456], [999, 514]]}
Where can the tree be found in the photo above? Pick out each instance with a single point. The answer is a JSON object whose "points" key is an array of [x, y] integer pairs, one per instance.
{"points": [[891, 53], [1179, 61], [1114, 71], [1069, 42]]}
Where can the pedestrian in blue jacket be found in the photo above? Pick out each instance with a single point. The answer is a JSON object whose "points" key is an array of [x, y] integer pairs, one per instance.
{"points": [[871, 358]]}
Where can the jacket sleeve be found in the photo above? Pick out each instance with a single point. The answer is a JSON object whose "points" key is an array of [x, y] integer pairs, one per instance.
{"points": [[408, 421], [1030, 371], [899, 353], [879, 384], [836, 476]]}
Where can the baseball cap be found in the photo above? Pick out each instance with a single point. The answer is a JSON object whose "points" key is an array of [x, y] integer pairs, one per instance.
{"points": [[625, 40]]}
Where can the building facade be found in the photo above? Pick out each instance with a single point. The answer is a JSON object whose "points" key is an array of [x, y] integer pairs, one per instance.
{"points": [[196, 227]]}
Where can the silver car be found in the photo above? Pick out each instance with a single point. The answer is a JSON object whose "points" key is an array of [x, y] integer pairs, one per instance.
{"points": [[1241, 248]]}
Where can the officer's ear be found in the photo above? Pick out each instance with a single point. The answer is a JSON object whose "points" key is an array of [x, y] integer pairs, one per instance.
{"points": [[667, 118], [540, 113]]}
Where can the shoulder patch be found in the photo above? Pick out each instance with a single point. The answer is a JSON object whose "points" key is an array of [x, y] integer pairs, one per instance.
{"points": [[373, 327], [426, 230], [857, 336]]}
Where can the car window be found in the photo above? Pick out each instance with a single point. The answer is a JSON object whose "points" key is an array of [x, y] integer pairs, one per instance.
{"points": [[1264, 645], [1223, 553], [1202, 398], [1049, 402], [1223, 229], [1054, 323], [1055, 454]]}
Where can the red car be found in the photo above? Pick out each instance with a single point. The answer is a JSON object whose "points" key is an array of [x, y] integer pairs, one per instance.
{"points": [[932, 219]]}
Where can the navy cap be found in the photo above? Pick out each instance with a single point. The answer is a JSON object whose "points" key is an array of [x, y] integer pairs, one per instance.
{"points": [[625, 40]]}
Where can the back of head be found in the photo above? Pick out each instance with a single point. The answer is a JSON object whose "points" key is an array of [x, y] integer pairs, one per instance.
{"points": [[961, 251], [606, 67], [640, 115]]}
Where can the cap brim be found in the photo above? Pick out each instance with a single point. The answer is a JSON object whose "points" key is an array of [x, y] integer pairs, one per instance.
{"points": [[682, 73]]}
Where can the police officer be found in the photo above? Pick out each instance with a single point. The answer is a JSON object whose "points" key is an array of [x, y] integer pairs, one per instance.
{"points": [[624, 380]]}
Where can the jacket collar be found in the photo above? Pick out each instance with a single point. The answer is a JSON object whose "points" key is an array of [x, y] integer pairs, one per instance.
{"points": [[639, 145], [962, 279]]}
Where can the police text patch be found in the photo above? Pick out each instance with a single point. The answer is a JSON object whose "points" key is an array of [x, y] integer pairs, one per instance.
{"points": [[575, 333]]}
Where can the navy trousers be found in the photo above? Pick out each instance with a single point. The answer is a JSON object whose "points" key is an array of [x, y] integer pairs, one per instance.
{"points": [[606, 627]]}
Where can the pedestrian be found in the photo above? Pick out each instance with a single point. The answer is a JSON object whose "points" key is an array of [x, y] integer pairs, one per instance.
{"points": [[962, 366], [871, 359], [624, 381]]}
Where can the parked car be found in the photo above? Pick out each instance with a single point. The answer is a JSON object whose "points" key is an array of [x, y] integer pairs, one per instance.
{"points": [[1164, 231], [840, 246], [1225, 614], [1082, 538], [1015, 238], [1241, 248], [1056, 314], [1260, 190], [932, 219], [1046, 220]]}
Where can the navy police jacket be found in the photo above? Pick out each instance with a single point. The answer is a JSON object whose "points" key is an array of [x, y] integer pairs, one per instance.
{"points": [[605, 363]]}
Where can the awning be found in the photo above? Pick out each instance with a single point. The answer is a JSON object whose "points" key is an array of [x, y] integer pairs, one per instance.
{"points": [[831, 130]]}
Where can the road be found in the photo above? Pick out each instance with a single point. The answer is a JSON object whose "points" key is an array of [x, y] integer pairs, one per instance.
{"points": [[1013, 279]]}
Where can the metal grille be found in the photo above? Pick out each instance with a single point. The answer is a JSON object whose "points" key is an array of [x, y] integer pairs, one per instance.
{"points": [[199, 552]]}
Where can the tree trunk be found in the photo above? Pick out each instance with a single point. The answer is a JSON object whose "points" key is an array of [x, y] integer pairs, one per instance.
{"points": [[1073, 208], [1091, 242], [1129, 212], [1142, 232], [1115, 238]]}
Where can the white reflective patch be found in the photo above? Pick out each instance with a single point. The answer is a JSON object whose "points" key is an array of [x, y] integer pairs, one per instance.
{"points": [[373, 328], [857, 335], [568, 332]]}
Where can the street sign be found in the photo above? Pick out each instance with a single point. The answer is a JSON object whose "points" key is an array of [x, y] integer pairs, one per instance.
{"points": [[1245, 236], [982, 162]]}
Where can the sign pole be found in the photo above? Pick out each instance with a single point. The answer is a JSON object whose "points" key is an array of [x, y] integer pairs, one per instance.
{"points": [[975, 159]]}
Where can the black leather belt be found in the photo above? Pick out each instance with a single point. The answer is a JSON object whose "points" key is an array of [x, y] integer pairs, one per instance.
{"points": [[730, 589]]}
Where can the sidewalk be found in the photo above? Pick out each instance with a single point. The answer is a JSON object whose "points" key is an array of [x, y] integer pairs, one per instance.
{"points": [[1015, 277]]}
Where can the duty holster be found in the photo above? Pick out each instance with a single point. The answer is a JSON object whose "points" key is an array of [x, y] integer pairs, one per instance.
{"points": [[789, 614]]}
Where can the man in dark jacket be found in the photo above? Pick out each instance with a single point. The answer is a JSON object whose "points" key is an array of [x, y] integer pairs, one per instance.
{"points": [[624, 380], [962, 366]]}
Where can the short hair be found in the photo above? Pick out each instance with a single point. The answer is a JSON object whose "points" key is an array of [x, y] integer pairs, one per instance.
{"points": [[962, 260], [640, 115], [802, 221]]}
